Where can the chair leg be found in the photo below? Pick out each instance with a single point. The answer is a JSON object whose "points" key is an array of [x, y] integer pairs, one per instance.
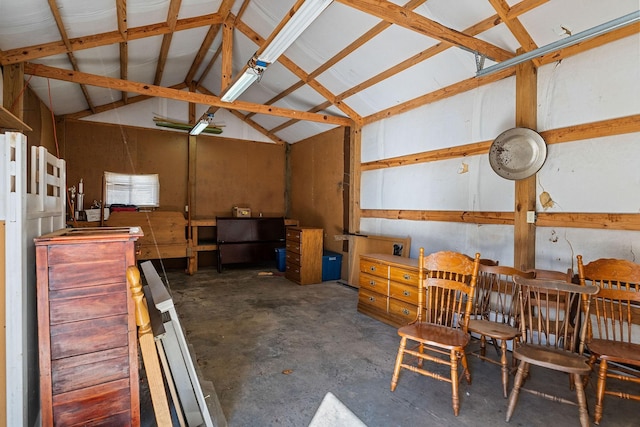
{"points": [[505, 367], [602, 383], [465, 366], [515, 391], [455, 398], [421, 350], [582, 400], [396, 369], [483, 346]]}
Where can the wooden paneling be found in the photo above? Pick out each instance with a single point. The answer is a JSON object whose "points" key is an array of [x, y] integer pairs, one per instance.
{"points": [[317, 184], [239, 173], [228, 172]]}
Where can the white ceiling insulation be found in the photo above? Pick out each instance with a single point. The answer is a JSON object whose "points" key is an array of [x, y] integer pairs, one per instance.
{"points": [[349, 63]]}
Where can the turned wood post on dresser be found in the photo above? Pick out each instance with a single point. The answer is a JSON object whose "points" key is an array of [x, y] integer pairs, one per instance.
{"points": [[88, 346]]}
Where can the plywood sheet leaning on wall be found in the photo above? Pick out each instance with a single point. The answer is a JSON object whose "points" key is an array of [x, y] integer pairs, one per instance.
{"points": [[367, 244]]}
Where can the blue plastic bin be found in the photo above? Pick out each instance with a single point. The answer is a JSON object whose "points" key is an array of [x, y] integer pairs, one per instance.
{"points": [[331, 265], [281, 259]]}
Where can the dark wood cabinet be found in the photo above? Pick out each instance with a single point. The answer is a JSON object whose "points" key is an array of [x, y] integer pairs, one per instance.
{"points": [[248, 240], [88, 347]]}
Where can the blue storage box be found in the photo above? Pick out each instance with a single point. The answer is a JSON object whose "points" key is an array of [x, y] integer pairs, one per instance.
{"points": [[331, 265], [281, 258]]}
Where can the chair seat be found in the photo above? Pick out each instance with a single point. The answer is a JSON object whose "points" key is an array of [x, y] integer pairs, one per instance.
{"points": [[559, 360], [614, 351], [491, 329], [428, 333]]}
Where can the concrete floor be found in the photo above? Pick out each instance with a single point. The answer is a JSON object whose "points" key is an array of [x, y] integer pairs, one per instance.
{"points": [[273, 349]]}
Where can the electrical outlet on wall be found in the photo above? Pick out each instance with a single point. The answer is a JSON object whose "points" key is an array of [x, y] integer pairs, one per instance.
{"points": [[531, 217]]}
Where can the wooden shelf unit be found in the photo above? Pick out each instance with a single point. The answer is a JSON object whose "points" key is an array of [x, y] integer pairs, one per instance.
{"points": [[388, 288]]}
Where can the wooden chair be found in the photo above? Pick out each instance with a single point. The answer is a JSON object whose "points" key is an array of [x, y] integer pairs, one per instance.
{"points": [[494, 313], [614, 330], [548, 340], [447, 281]]}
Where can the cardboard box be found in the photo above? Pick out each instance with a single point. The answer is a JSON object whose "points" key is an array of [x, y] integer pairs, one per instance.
{"points": [[240, 212], [94, 214]]}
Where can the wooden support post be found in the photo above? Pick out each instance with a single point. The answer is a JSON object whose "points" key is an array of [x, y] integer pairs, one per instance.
{"points": [[13, 96], [524, 233], [148, 348]]}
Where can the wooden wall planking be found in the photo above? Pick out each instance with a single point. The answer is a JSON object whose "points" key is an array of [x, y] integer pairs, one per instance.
{"points": [[228, 172], [239, 173], [317, 185]]}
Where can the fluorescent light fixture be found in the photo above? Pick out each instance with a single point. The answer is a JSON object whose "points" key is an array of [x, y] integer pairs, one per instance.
{"points": [[303, 17], [201, 125], [300, 20], [250, 75], [561, 44]]}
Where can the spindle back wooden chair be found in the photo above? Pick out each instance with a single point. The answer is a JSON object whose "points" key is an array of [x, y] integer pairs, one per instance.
{"points": [[613, 337], [494, 315], [548, 339], [439, 333]]}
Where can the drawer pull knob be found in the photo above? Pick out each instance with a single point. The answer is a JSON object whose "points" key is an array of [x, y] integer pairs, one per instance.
{"points": [[407, 276], [372, 299], [406, 293], [405, 311], [372, 282], [372, 268]]}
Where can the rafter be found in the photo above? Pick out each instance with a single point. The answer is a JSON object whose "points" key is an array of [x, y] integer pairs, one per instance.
{"points": [[299, 72], [29, 53], [413, 21], [515, 26], [65, 39], [250, 122], [163, 92]]}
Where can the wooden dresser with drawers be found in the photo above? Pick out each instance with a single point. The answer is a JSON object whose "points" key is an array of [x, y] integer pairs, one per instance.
{"points": [[388, 288]]}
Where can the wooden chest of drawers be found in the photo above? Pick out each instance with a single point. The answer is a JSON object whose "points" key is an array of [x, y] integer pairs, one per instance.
{"points": [[388, 288], [304, 255], [88, 347]]}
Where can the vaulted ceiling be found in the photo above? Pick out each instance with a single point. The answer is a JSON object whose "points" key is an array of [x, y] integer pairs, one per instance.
{"points": [[358, 62]]}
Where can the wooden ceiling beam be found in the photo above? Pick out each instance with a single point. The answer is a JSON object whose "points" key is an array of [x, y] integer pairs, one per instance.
{"points": [[163, 92], [172, 18], [405, 18], [359, 42], [113, 105], [301, 74], [29, 53], [53, 6], [249, 122], [515, 26]]}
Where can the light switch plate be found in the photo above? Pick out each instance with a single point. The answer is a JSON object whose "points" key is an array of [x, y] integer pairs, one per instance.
{"points": [[531, 217]]}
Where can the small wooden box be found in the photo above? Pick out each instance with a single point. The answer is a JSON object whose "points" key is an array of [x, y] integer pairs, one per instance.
{"points": [[240, 212]]}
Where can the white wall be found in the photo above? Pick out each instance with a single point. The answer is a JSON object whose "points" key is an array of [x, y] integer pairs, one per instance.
{"points": [[596, 175], [141, 114]]}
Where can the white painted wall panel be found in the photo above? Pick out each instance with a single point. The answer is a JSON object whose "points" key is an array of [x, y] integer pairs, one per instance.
{"points": [[599, 84], [600, 175], [438, 186], [492, 241], [597, 175], [476, 115]]}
